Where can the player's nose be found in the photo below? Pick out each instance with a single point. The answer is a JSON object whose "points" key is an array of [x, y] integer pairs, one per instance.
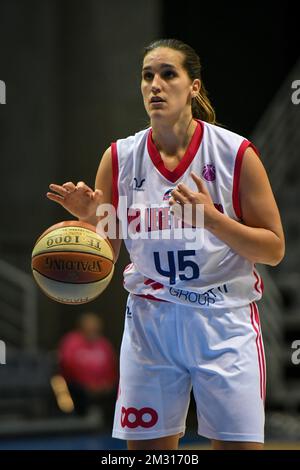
{"points": [[156, 85]]}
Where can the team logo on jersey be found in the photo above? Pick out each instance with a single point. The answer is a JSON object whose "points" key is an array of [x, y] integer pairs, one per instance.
{"points": [[137, 185], [167, 194], [211, 296], [209, 172]]}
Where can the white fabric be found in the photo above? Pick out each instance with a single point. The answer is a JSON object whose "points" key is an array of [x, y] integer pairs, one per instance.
{"points": [[167, 349], [219, 277]]}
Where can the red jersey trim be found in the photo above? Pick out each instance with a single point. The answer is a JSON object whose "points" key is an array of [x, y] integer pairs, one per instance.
{"points": [[259, 358], [258, 283], [115, 175], [151, 297], [236, 176], [186, 160], [255, 320]]}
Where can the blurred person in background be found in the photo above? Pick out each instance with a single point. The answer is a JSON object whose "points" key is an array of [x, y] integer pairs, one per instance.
{"points": [[88, 363]]}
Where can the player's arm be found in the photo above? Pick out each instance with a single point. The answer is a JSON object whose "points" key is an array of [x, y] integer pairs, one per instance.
{"points": [[260, 237], [103, 183], [82, 201]]}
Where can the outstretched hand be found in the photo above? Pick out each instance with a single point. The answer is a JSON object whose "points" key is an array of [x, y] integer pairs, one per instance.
{"points": [[80, 200]]}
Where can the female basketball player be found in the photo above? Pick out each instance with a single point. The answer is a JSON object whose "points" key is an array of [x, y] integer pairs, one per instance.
{"points": [[191, 317]]}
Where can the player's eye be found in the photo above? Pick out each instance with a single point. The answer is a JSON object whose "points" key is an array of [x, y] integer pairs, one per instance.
{"points": [[147, 76], [169, 74], [166, 75]]}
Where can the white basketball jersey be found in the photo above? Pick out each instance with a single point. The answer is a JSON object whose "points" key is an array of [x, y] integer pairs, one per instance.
{"points": [[165, 266]]}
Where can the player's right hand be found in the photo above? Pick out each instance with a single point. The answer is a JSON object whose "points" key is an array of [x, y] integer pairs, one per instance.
{"points": [[80, 200]]}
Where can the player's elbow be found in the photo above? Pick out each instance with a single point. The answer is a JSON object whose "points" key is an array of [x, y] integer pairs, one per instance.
{"points": [[278, 254], [270, 253], [276, 260]]}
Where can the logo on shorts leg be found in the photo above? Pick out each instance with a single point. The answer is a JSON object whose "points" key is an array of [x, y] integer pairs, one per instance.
{"points": [[133, 418]]}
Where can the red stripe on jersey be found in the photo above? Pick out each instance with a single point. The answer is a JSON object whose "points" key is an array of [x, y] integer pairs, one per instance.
{"points": [[256, 311], [236, 178], [186, 160], [260, 355], [151, 297], [127, 267], [237, 174], [154, 284], [258, 286]]}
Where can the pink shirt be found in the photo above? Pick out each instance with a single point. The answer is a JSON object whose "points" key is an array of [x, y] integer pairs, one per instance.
{"points": [[89, 363]]}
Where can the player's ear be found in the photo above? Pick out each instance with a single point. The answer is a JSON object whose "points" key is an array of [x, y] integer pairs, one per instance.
{"points": [[196, 87]]}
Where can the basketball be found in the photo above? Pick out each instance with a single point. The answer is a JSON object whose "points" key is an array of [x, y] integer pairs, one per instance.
{"points": [[71, 263]]}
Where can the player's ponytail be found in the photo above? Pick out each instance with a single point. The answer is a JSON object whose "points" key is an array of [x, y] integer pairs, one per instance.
{"points": [[201, 105]]}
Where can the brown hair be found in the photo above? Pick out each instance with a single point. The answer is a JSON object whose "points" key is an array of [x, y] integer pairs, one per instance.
{"points": [[201, 105]]}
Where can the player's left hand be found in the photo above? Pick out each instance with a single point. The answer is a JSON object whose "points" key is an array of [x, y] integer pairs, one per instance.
{"points": [[183, 195]]}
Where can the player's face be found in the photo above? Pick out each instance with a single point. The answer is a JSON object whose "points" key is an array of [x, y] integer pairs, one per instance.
{"points": [[164, 77]]}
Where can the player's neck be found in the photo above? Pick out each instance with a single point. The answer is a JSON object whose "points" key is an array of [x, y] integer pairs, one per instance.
{"points": [[172, 138]]}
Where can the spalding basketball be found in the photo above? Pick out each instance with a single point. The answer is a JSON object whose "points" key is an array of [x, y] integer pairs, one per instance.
{"points": [[71, 263]]}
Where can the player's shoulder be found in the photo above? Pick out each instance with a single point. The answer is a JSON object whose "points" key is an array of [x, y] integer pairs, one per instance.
{"points": [[132, 143], [136, 136], [222, 132]]}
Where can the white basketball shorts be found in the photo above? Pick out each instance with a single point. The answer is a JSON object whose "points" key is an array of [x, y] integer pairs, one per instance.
{"points": [[169, 349]]}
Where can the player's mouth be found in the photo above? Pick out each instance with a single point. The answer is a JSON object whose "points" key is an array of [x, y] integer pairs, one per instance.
{"points": [[155, 100]]}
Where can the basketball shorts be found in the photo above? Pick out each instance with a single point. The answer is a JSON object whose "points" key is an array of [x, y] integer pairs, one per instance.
{"points": [[168, 350]]}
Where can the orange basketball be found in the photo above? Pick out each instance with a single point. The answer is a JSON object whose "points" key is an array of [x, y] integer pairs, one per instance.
{"points": [[72, 263]]}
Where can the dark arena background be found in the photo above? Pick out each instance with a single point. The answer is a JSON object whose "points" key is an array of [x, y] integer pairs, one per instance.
{"points": [[69, 86]]}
